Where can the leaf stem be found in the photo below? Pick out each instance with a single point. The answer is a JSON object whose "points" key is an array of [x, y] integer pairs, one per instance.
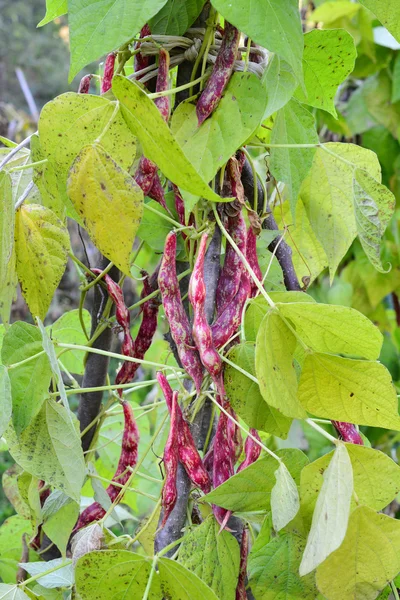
{"points": [[28, 166], [150, 579], [394, 590], [26, 360], [48, 572], [180, 88], [322, 431], [15, 150]]}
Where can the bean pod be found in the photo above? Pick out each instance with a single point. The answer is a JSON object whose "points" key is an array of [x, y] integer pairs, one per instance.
{"points": [[348, 432], [109, 65], [231, 273], [169, 493]]}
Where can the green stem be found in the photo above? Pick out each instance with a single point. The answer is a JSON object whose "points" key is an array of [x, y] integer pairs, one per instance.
{"points": [[108, 125], [147, 525], [28, 166], [394, 590], [98, 278], [39, 575], [150, 579], [180, 88], [246, 373], [322, 431], [26, 360], [163, 216]]}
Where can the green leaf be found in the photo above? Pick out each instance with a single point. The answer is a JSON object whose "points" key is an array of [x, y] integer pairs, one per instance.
{"points": [[176, 17], [374, 206], [294, 124], [244, 394], [343, 389], [30, 381], [367, 559], [279, 82], [327, 195], [332, 510], [330, 11], [285, 501], [250, 489], [273, 570], [376, 479], [212, 556], [12, 592], [47, 180], [101, 575], [11, 532], [276, 375], [5, 399], [274, 24], [48, 347], [109, 201], [334, 329], [7, 253], [159, 145], [235, 119], [60, 514], [179, 583], [54, 9], [13, 482], [50, 448], [258, 308], [388, 14], [396, 80], [153, 229], [72, 121], [99, 27], [41, 244], [68, 329], [328, 59], [60, 577]]}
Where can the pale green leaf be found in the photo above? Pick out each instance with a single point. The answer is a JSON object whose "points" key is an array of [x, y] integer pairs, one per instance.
{"points": [[332, 510], [343, 389], [109, 201], [47, 180], [13, 483], [235, 119], [294, 124], [50, 448], [308, 256], [7, 253], [250, 489], [279, 82], [274, 24], [60, 577], [366, 561], [60, 514], [376, 479], [54, 9], [374, 206], [5, 399], [176, 17], [327, 195], [86, 540], [388, 14], [153, 228], [29, 381], [99, 27], [244, 394], [213, 556], [48, 347], [68, 329], [328, 59], [285, 501], [396, 79], [41, 244], [331, 11], [276, 375], [12, 592], [159, 145], [334, 329], [179, 583], [273, 570], [11, 532]]}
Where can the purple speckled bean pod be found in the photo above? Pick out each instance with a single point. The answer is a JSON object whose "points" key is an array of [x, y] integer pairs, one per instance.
{"points": [[157, 193], [140, 61], [234, 172], [84, 84], [164, 103], [128, 458], [252, 259], [252, 450], [222, 462], [202, 334], [244, 552], [169, 493], [231, 273], [179, 204], [175, 313], [220, 75], [228, 322], [108, 73], [348, 432]]}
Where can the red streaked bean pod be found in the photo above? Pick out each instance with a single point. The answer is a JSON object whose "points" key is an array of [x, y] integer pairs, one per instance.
{"points": [[252, 450], [84, 84], [222, 462], [228, 322], [109, 65], [202, 334], [179, 204], [231, 272], [157, 193], [348, 432], [252, 259], [128, 458], [244, 552], [234, 172], [175, 313], [164, 103], [140, 61], [169, 493], [221, 73]]}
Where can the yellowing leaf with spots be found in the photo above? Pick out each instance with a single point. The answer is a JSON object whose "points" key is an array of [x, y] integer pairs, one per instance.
{"points": [[41, 244], [109, 201]]}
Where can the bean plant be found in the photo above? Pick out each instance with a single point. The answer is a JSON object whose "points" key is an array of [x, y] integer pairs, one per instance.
{"points": [[231, 433]]}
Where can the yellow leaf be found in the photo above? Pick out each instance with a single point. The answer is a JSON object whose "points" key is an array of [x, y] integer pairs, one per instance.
{"points": [[109, 201]]}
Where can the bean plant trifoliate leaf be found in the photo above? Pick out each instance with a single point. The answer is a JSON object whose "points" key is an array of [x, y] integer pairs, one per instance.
{"points": [[285, 501], [41, 244], [366, 561], [328, 58], [159, 145], [331, 513], [109, 201], [274, 24], [343, 389]]}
